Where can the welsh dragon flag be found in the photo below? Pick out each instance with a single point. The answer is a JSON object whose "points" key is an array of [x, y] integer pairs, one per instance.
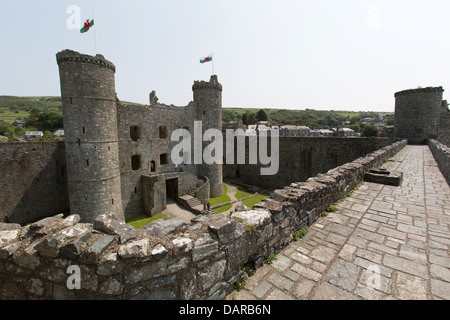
{"points": [[87, 25], [206, 59]]}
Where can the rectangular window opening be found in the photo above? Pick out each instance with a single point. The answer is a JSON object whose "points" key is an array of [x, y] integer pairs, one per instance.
{"points": [[135, 133], [135, 162], [163, 159]]}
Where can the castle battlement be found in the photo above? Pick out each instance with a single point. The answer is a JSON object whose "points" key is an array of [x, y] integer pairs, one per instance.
{"points": [[213, 83], [419, 90], [73, 56]]}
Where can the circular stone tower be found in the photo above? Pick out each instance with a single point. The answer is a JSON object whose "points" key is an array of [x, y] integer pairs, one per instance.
{"points": [[90, 123], [417, 113], [208, 110]]}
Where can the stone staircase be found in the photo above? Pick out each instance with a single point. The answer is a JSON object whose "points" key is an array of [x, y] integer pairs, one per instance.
{"points": [[190, 202]]}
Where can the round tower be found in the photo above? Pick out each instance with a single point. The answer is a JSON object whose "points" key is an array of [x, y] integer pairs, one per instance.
{"points": [[417, 113], [90, 124], [208, 110]]}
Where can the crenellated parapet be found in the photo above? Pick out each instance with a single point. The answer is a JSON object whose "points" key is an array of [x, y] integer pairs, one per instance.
{"points": [[419, 90], [73, 56]]}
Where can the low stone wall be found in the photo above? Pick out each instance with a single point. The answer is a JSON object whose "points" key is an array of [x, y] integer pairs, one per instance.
{"points": [[441, 154], [61, 258]]}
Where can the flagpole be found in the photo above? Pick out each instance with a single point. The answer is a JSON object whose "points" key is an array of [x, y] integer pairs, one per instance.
{"points": [[95, 34], [212, 56]]}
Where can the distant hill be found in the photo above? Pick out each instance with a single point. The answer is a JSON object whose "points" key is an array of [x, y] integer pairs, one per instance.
{"points": [[12, 107]]}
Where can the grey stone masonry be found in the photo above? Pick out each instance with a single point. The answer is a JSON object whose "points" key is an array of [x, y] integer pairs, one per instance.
{"points": [[200, 258], [384, 242]]}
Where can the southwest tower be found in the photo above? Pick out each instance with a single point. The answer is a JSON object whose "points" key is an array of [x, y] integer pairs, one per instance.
{"points": [[90, 122]]}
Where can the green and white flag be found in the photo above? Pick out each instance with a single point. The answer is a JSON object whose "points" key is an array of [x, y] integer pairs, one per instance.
{"points": [[206, 59]]}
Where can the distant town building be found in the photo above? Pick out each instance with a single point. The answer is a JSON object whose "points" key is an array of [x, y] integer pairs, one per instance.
{"points": [[58, 134], [18, 123], [294, 131], [345, 132], [33, 134], [326, 132]]}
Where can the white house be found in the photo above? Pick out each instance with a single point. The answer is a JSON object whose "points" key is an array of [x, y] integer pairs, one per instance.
{"points": [[33, 134]]}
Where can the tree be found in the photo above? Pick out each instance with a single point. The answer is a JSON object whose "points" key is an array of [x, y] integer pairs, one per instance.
{"points": [[370, 131], [261, 115], [355, 127], [49, 121], [249, 118], [4, 128], [31, 120]]}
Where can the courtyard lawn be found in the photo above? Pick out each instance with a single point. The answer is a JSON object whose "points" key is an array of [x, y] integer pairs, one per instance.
{"points": [[223, 198], [250, 202], [223, 209], [141, 220]]}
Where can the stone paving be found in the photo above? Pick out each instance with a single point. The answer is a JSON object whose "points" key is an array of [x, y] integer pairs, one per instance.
{"points": [[384, 242]]}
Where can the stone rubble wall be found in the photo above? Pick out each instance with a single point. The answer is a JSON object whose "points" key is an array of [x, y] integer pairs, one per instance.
{"points": [[441, 154], [166, 259]]}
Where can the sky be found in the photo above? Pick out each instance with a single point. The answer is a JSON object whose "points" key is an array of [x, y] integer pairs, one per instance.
{"points": [[288, 54]]}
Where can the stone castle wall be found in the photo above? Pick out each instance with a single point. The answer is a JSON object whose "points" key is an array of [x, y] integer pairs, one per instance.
{"points": [[441, 154], [171, 259], [444, 125], [304, 157], [33, 181]]}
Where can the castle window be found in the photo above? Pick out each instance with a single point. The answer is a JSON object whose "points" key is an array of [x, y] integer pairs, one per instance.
{"points": [[135, 162], [87, 162], [163, 159], [135, 190], [109, 148], [112, 201], [152, 166], [163, 132], [135, 133], [84, 130]]}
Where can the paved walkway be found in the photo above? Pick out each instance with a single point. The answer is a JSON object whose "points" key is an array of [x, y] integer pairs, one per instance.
{"points": [[385, 242]]}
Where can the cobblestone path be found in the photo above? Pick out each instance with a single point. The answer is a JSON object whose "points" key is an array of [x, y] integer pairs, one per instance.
{"points": [[384, 242]]}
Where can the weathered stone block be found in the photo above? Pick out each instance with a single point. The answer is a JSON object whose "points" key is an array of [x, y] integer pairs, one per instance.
{"points": [[239, 251], [115, 227], [8, 236], [204, 247], [51, 246], [109, 264], [158, 252], [252, 218], [97, 248], [159, 228], [394, 178], [226, 230], [134, 249]]}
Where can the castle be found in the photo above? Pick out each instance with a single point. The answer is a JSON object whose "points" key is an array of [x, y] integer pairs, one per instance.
{"points": [[118, 155]]}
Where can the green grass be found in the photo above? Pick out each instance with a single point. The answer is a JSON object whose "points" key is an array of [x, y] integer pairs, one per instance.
{"points": [[250, 202], [223, 209], [300, 233], [223, 198], [240, 193], [141, 220]]}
